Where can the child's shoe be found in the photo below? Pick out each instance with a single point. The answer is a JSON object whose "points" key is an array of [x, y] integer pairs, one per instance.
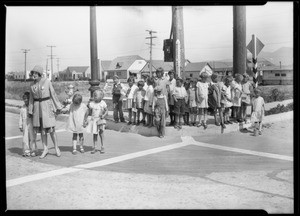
{"points": [[255, 132], [33, 154], [74, 152], [129, 123], [81, 149], [102, 150], [260, 132], [205, 126], [26, 154]]}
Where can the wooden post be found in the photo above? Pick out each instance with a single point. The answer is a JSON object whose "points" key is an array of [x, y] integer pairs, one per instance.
{"points": [[94, 82], [239, 40], [178, 40]]}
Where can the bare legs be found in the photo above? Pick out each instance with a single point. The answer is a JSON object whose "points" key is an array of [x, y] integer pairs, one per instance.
{"points": [[45, 144]]}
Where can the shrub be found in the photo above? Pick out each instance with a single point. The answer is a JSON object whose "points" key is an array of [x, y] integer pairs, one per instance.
{"points": [[280, 109]]}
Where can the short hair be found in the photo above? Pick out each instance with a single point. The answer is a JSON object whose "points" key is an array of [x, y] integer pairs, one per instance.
{"points": [[204, 75], [257, 91], [26, 94], [179, 79], [239, 76], [115, 77], [130, 79], [99, 92], [77, 99], [245, 75], [150, 81], [160, 69], [228, 79], [171, 72], [140, 83], [214, 76]]}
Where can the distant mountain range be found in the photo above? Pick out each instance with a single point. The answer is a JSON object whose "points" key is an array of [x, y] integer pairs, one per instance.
{"points": [[283, 55]]}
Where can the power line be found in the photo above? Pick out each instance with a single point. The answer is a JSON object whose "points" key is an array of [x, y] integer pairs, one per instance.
{"points": [[25, 52], [51, 46], [151, 44]]}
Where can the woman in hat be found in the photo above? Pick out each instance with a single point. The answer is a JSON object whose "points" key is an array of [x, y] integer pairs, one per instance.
{"points": [[43, 106]]}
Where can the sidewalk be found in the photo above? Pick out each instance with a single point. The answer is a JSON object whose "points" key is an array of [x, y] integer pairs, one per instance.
{"points": [[12, 106]]}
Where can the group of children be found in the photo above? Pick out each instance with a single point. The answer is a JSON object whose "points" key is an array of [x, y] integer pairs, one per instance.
{"points": [[149, 103]]}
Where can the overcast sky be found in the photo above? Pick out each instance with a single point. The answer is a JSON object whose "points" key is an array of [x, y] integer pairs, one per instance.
{"points": [[208, 32]]}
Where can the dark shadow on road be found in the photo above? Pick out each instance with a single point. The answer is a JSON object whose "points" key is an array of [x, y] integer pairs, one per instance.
{"points": [[16, 150]]}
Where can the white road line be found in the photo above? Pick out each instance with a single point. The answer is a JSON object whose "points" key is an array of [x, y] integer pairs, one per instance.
{"points": [[244, 151], [39, 176], [17, 137]]}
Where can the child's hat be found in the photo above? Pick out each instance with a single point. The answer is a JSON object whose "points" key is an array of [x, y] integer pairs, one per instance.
{"points": [[158, 88]]}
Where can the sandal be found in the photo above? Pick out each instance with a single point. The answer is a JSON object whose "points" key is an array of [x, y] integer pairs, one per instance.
{"points": [[44, 154]]}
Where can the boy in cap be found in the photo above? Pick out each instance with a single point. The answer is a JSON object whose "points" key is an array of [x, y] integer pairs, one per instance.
{"points": [[180, 98], [160, 110], [117, 95]]}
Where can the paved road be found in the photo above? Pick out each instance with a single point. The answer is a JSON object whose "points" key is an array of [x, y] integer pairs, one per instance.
{"points": [[222, 171]]}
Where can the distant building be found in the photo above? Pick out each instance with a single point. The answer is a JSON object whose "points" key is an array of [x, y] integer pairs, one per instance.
{"points": [[221, 68], [193, 70], [276, 75], [74, 73], [121, 66], [20, 75], [104, 66], [167, 66]]}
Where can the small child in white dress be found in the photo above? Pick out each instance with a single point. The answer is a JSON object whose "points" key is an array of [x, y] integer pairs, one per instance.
{"points": [[202, 99], [258, 112], [77, 113], [26, 127], [96, 124]]}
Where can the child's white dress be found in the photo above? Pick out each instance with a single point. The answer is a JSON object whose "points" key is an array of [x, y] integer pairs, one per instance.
{"points": [[226, 93], [236, 91], [26, 124], [130, 94], [202, 95], [149, 99], [258, 109], [94, 121], [76, 118]]}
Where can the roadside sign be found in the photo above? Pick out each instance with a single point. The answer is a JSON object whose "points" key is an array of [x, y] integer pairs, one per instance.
{"points": [[258, 46]]}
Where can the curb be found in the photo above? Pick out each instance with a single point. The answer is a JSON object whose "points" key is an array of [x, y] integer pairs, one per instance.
{"points": [[171, 131]]}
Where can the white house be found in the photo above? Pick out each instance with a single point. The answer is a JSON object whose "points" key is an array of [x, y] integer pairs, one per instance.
{"points": [[193, 70]]}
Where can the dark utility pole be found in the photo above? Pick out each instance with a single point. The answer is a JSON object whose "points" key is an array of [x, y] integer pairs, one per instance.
{"points": [[51, 56], [25, 51], [94, 82], [239, 40], [178, 40], [151, 44]]}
